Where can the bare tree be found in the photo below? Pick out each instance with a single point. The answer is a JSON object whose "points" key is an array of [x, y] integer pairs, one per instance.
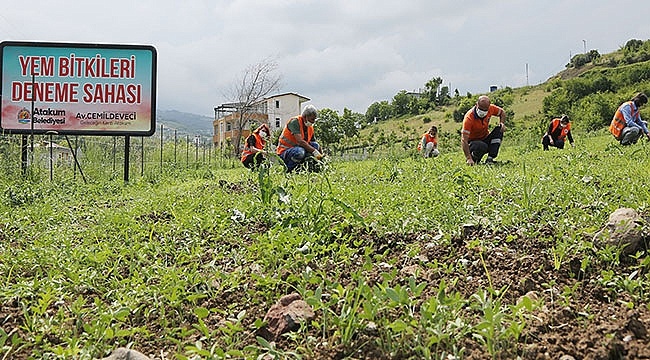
{"points": [[256, 83]]}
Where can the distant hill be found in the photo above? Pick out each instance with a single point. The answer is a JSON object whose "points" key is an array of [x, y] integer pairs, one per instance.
{"points": [[184, 123], [589, 89]]}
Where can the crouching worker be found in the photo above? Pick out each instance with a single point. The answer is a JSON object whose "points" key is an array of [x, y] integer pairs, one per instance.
{"points": [[557, 131], [476, 139], [428, 145], [254, 154], [627, 125], [296, 144]]}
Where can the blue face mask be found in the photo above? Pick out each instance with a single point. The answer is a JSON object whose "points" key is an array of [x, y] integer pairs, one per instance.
{"points": [[481, 113]]}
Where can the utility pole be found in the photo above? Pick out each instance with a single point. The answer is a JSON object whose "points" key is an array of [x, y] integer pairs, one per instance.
{"points": [[527, 74]]}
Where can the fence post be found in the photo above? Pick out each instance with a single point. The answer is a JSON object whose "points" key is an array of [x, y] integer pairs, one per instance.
{"points": [[114, 152], [196, 149]]}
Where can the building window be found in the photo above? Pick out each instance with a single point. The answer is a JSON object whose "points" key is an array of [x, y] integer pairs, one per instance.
{"points": [[277, 104], [277, 123], [228, 127]]}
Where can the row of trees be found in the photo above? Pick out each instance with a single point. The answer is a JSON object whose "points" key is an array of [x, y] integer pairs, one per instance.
{"points": [[583, 59], [332, 128], [409, 103]]}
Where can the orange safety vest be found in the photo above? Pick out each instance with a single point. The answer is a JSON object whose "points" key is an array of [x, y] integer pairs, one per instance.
{"points": [[247, 150], [618, 122], [429, 138], [477, 128], [556, 123], [287, 140]]}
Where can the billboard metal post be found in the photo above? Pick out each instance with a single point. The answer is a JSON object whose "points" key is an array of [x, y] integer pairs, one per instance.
{"points": [[142, 156], [74, 153], [51, 159], [114, 152], [23, 153]]}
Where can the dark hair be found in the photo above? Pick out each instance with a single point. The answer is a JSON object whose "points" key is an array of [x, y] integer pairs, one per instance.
{"points": [[564, 118], [640, 99]]}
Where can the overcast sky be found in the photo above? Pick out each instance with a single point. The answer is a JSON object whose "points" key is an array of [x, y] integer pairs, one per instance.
{"points": [[338, 53]]}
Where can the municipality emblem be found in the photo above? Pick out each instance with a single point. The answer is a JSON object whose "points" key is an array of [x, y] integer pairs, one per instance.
{"points": [[24, 116]]}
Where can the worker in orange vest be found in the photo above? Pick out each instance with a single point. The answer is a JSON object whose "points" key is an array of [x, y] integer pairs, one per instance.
{"points": [[476, 139], [428, 145], [297, 143], [253, 153], [627, 125], [558, 130]]}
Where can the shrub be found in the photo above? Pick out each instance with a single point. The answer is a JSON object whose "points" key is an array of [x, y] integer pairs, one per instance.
{"points": [[595, 111]]}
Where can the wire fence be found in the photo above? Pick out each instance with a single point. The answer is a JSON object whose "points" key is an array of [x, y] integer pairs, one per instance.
{"points": [[104, 157], [95, 158]]}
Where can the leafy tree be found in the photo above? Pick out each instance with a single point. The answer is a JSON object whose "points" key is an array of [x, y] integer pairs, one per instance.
{"points": [[632, 45], [463, 106], [556, 103], [595, 111], [431, 90], [350, 122], [379, 111], [636, 51], [504, 99], [327, 126], [579, 60], [443, 98], [577, 88], [372, 113], [333, 129], [416, 104], [401, 102]]}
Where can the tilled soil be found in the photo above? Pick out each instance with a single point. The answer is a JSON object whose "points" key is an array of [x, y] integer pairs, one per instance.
{"points": [[579, 316]]}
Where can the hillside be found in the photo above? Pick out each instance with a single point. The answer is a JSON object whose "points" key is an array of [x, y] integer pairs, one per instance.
{"points": [[185, 123], [588, 90]]}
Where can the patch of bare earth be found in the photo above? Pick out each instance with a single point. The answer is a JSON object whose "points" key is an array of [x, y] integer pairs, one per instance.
{"points": [[579, 318]]}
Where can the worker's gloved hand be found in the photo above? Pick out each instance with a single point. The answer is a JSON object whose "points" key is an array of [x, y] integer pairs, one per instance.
{"points": [[317, 154]]}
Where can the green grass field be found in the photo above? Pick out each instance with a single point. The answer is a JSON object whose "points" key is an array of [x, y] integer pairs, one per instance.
{"points": [[399, 257]]}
